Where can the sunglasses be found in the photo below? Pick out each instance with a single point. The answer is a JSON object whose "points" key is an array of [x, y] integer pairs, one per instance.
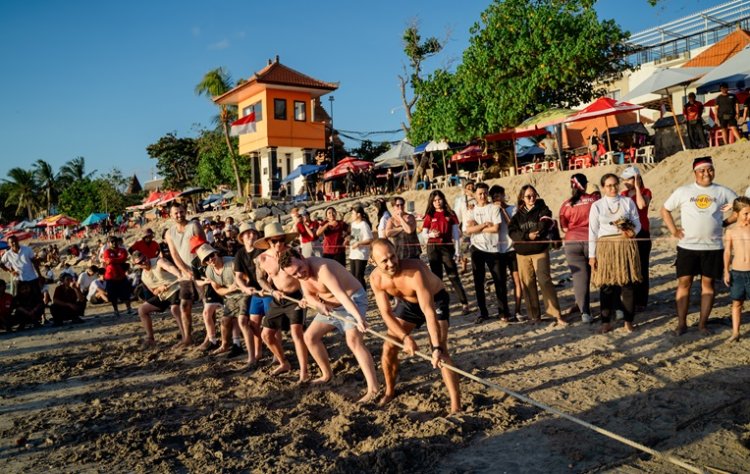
{"points": [[276, 241]]}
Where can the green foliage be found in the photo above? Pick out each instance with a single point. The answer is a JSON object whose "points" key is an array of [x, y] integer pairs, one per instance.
{"points": [[215, 161], [176, 159], [72, 171], [48, 181], [116, 179], [368, 151], [91, 195], [417, 51], [22, 192], [524, 57]]}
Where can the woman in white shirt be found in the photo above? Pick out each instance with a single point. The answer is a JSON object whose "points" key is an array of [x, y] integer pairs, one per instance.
{"points": [[360, 239], [613, 253]]}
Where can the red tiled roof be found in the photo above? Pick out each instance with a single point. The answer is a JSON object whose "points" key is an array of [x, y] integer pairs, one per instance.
{"points": [[732, 44], [277, 73]]}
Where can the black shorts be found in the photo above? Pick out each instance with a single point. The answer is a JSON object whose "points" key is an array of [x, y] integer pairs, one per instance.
{"points": [[163, 305], [412, 313], [211, 296], [118, 290], [725, 123], [281, 315], [708, 263], [187, 291], [511, 260]]}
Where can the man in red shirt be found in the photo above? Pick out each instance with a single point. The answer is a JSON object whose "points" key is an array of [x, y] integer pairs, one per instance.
{"points": [[693, 112], [115, 275], [147, 245]]}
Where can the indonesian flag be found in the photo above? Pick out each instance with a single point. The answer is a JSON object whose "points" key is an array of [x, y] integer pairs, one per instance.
{"points": [[244, 125]]}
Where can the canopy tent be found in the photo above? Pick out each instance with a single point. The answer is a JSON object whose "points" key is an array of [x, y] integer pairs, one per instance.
{"points": [[189, 191], [733, 71], [94, 218], [344, 165], [167, 197], [661, 81], [24, 225], [469, 154], [421, 148], [633, 129], [541, 121], [531, 151], [58, 220], [399, 155], [603, 107], [303, 170]]}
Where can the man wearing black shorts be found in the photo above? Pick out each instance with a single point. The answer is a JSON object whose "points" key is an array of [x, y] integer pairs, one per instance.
{"points": [[727, 111], [162, 279], [423, 300], [700, 249]]}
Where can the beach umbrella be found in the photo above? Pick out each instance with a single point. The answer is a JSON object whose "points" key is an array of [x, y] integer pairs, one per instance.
{"points": [[548, 118], [603, 107], [303, 170], [189, 191], [4, 245], [58, 220], [343, 166], [733, 71], [94, 218]]}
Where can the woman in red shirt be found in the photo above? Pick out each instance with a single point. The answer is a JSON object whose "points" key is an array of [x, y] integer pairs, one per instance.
{"points": [[574, 221], [441, 225], [334, 232], [634, 189]]}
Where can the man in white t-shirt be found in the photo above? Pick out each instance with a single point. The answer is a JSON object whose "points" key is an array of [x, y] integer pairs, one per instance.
{"points": [[460, 207], [483, 226], [97, 293], [86, 278], [702, 205]]}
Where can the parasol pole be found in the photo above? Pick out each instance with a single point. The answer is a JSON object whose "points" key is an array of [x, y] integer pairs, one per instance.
{"points": [[674, 117], [609, 140], [515, 155]]}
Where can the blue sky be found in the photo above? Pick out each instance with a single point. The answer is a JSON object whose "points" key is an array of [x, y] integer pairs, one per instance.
{"points": [[103, 80]]}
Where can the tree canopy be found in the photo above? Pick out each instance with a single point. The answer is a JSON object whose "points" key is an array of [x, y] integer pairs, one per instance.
{"points": [[524, 57], [176, 159]]}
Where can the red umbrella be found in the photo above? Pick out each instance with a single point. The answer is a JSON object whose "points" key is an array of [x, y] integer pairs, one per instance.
{"points": [[470, 153], [603, 107], [344, 165]]}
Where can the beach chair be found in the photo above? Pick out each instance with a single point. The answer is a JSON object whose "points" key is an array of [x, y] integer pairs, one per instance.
{"points": [[645, 154], [607, 159]]}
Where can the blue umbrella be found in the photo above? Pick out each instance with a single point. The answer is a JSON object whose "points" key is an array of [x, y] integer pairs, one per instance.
{"points": [[4, 245], [94, 218], [303, 170]]}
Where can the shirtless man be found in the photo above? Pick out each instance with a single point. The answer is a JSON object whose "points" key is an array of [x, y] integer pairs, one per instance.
{"points": [[162, 279], [332, 290], [424, 300], [178, 241], [282, 314]]}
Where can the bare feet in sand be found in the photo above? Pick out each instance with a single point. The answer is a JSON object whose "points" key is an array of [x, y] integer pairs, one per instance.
{"points": [[321, 380], [151, 344], [282, 369], [630, 327], [221, 350], [705, 331], [606, 327], [561, 322], [385, 400], [369, 397], [680, 330], [734, 338]]}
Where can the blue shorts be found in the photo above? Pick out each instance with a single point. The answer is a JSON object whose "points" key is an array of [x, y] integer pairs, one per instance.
{"points": [[739, 288], [259, 305]]}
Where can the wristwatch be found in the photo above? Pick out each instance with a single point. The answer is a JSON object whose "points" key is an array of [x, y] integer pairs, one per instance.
{"points": [[436, 348]]}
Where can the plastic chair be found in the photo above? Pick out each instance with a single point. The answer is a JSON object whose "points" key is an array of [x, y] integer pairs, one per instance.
{"points": [[646, 154], [607, 158], [718, 134]]}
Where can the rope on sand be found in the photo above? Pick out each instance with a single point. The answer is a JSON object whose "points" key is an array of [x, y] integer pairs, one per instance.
{"points": [[665, 457]]}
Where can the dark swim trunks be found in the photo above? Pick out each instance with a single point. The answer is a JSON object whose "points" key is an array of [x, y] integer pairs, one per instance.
{"points": [[412, 313], [281, 315]]}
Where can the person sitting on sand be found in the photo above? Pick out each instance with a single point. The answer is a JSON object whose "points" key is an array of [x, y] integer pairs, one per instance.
{"points": [[737, 262], [424, 301], [68, 303], [97, 293], [161, 277], [700, 249], [220, 275], [332, 290], [282, 315]]}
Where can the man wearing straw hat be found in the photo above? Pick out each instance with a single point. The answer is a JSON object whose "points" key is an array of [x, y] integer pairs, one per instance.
{"points": [[255, 305], [333, 291], [162, 280], [423, 300], [702, 205], [283, 314]]}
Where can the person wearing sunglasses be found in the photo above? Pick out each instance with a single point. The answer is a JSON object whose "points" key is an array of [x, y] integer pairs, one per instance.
{"points": [[401, 229]]}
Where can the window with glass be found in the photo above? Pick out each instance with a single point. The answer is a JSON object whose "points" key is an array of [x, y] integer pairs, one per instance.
{"points": [[300, 111], [257, 108], [279, 109]]}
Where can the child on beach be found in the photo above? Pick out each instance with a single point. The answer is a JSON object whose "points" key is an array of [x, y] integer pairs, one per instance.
{"points": [[737, 242]]}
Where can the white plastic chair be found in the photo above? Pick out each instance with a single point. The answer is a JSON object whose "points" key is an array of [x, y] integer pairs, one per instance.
{"points": [[607, 158], [645, 154]]}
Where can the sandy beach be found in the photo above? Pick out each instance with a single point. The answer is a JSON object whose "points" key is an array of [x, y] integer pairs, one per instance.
{"points": [[83, 398]]}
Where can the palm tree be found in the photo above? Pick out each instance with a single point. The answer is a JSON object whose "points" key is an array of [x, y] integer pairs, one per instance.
{"points": [[22, 191], [215, 83], [47, 179], [74, 170]]}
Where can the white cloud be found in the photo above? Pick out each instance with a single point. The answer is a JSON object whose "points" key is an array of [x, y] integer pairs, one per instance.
{"points": [[223, 44]]}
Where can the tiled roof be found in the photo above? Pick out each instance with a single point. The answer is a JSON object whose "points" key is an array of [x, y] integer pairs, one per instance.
{"points": [[277, 73], [715, 55]]}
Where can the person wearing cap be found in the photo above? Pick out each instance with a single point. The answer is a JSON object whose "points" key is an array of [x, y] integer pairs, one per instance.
{"points": [[283, 314], [68, 303], [115, 275], [178, 240], [255, 305], [702, 205], [220, 275], [693, 112], [146, 245], [641, 195], [332, 290], [574, 222], [727, 110], [161, 278]]}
